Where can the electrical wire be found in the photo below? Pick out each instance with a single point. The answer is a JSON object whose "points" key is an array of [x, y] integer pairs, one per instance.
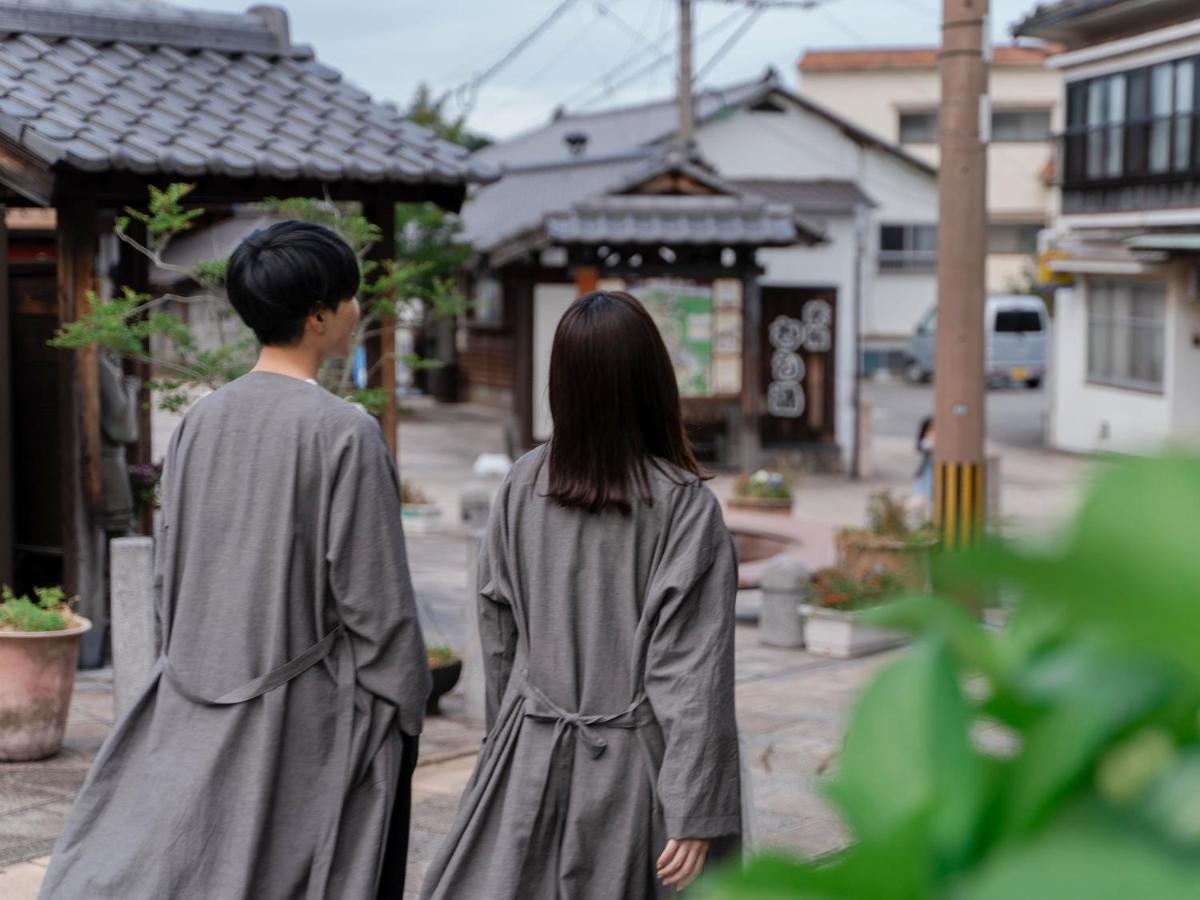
{"points": [[469, 90], [755, 13], [664, 56]]}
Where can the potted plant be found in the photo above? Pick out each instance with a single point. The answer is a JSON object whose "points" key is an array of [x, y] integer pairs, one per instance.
{"points": [[446, 668], [890, 543], [419, 513], [763, 490], [39, 651], [832, 629]]}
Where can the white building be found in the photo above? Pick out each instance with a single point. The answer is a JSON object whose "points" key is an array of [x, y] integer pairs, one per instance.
{"points": [[894, 93], [1125, 368], [768, 142]]}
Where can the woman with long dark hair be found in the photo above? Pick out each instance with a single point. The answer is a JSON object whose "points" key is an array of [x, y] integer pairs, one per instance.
{"points": [[606, 596]]}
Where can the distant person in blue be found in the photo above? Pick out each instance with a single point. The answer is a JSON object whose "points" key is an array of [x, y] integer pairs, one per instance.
{"points": [[923, 480]]}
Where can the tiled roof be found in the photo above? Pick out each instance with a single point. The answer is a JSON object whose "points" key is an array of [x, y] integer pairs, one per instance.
{"points": [[860, 59], [674, 219], [144, 87], [807, 196]]}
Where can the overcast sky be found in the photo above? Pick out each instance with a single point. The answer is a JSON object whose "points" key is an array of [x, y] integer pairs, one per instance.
{"points": [[389, 46]]}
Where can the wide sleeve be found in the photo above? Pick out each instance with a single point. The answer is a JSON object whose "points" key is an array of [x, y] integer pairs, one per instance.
{"points": [[497, 624], [689, 671], [369, 577]]}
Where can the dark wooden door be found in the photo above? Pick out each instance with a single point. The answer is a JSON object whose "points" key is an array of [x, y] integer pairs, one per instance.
{"points": [[37, 429], [798, 372]]}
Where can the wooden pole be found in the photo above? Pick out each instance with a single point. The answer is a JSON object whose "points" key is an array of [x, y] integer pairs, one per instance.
{"points": [[80, 386], [381, 350], [684, 94], [586, 279], [962, 228], [7, 533]]}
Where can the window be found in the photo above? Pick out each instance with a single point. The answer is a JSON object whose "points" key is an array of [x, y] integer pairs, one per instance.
{"points": [[486, 306], [1013, 125], [919, 127], [1013, 237], [1136, 124], [907, 248], [1018, 321], [1126, 339]]}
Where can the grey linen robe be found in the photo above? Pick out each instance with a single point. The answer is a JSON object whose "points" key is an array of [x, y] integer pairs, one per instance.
{"points": [[608, 651], [280, 534]]}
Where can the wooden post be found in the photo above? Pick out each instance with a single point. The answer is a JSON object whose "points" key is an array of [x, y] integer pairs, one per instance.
{"points": [[381, 350], [959, 482], [7, 535], [752, 362], [80, 385], [586, 279]]}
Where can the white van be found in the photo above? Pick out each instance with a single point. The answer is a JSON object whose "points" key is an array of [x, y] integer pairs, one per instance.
{"points": [[1015, 348]]}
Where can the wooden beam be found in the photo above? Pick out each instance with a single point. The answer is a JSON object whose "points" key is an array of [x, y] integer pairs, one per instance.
{"points": [[120, 188], [586, 278], [24, 174], [382, 350], [7, 535], [76, 279]]}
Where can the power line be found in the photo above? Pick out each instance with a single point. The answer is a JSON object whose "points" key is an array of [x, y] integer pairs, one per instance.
{"points": [[747, 22], [606, 10], [468, 91], [664, 56]]}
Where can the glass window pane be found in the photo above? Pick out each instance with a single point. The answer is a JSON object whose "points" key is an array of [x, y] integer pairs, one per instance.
{"points": [[1116, 99], [924, 238], [1160, 89], [1021, 125], [918, 127], [1185, 83], [891, 237], [1095, 111]]}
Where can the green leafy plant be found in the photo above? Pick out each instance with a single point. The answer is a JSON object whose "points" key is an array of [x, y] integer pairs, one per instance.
{"points": [[440, 657], [835, 588], [49, 612], [1072, 766], [419, 283]]}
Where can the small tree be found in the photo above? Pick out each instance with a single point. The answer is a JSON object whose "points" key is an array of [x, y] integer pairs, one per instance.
{"points": [[419, 282]]}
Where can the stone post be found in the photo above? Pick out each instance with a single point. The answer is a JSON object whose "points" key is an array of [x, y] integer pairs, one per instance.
{"points": [[133, 640], [475, 505], [784, 587]]}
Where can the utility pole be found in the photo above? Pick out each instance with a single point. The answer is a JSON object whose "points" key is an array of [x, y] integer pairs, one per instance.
{"points": [[684, 96], [965, 121]]}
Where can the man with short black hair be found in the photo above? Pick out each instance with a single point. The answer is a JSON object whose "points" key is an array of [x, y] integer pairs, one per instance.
{"points": [[270, 753]]}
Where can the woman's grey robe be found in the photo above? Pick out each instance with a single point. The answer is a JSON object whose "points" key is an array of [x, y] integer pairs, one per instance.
{"points": [[281, 533], [608, 647]]}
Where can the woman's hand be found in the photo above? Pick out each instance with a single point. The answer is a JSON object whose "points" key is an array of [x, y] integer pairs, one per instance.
{"points": [[681, 862]]}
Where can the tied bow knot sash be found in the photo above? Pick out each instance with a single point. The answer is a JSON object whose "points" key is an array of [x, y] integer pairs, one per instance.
{"points": [[541, 708], [340, 765]]}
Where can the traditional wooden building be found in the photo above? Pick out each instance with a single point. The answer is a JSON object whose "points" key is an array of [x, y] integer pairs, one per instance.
{"points": [[96, 105], [683, 240], [871, 202]]}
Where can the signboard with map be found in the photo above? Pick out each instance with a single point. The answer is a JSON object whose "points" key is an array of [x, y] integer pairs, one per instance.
{"points": [[700, 322]]}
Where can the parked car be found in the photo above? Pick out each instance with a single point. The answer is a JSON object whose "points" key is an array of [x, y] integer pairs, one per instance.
{"points": [[1015, 327]]}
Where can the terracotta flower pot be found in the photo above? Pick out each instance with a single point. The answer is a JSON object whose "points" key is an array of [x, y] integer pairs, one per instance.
{"points": [[861, 554], [37, 675]]}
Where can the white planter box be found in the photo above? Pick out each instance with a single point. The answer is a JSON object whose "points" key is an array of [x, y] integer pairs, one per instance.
{"points": [[421, 518], [831, 633]]}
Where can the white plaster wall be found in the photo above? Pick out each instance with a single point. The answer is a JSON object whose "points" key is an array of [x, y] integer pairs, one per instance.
{"points": [[791, 144], [550, 301], [1185, 396], [1082, 413], [1007, 273]]}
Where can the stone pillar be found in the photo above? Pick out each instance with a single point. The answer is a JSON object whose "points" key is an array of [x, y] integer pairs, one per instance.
{"points": [[133, 639], [784, 587], [475, 506]]}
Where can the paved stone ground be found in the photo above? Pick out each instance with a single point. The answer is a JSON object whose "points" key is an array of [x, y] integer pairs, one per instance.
{"points": [[792, 705], [791, 708]]}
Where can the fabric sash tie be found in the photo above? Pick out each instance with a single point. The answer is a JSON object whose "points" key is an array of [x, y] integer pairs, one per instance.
{"points": [[541, 708]]}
